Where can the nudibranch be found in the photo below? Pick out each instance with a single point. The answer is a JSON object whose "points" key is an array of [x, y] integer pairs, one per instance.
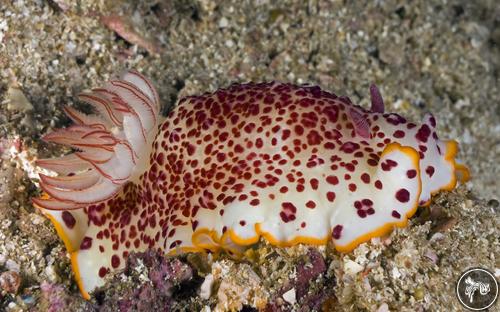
{"points": [[293, 164]]}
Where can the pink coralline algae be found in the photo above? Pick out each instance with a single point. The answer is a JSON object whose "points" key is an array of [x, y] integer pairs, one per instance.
{"points": [[155, 293], [55, 297], [306, 273], [292, 164]]}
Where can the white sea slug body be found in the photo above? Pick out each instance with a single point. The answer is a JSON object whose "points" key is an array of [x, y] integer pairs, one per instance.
{"points": [[294, 164]]}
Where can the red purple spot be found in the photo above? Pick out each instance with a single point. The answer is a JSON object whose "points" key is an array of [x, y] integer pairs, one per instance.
{"points": [[238, 148], [314, 138], [399, 134], [115, 261], [432, 121], [299, 130], [388, 165], [350, 167], [288, 213], [286, 134], [367, 202], [403, 195], [423, 133], [287, 216], [349, 147], [289, 206], [221, 157], [86, 243], [314, 183], [102, 272], [68, 219], [329, 145], [332, 180], [358, 204], [394, 119], [365, 177], [396, 214], [160, 159], [411, 173], [310, 204], [330, 196], [430, 171], [259, 143], [194, 225], [337, 231], [364, 207]]}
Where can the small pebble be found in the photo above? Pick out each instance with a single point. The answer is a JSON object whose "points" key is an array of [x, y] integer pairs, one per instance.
{"points": [[436, 237], [50, 270], [431, 255], [290, 296], [419, 294], [445, 225], [28, 299], [37, 219], [223, 22], [383, 308], [352, 268], [17, 101], [10, 281], [12, 265], [206, 287], [493, 203]]}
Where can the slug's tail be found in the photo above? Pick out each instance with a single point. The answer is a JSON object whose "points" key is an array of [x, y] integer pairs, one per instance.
{"points": [[112, 147], [387, 198]]}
